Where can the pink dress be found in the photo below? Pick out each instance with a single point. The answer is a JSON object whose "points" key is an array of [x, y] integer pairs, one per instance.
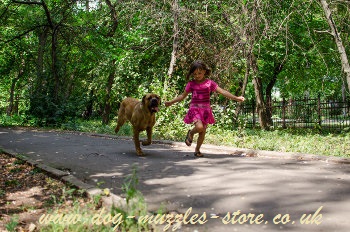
{"points": [[200, 108]]}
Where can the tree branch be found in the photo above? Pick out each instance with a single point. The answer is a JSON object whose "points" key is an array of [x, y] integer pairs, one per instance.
{"points": [[114, 18], [328, 32], [28, 3], [43, 4], [5, 10], [22, 34], [338, 40], [48, 15]]}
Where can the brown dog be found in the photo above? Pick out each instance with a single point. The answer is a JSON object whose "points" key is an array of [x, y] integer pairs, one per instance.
{"points": [[141, 116]]}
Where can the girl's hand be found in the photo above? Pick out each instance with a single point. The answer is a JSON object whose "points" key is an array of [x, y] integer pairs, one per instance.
{"points": [[240, 99], [229, 95], [177, 99], [167, 104]]}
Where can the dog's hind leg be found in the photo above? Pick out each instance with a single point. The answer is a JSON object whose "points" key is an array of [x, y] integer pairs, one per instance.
{"points": [[121, 120], [117, 128]]}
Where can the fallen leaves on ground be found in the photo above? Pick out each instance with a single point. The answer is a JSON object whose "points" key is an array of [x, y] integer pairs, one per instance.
{"points": [[26, 192]]}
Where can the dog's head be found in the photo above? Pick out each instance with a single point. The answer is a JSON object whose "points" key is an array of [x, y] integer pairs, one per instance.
{"points": [[152, 102]]}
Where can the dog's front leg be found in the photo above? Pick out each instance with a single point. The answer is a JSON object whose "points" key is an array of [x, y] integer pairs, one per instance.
{"points": [[137, 142], [149, 137]]}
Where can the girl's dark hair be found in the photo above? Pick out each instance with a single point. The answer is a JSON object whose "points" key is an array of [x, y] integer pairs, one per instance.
{"points": [[198, 64]]}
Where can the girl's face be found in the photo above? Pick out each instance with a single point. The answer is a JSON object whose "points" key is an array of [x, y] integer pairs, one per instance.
{"points": [[199, 75]]}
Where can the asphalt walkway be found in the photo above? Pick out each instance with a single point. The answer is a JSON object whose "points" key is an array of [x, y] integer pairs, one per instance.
{"points": [[230, 189]]}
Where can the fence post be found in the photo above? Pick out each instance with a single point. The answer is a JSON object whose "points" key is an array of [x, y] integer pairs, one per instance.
{"points": [[253, 109], [284, 113], [319, 109]]}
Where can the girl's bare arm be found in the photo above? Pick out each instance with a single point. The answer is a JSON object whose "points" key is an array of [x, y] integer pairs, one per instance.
{"points": [[177, 99], [229, 95]]}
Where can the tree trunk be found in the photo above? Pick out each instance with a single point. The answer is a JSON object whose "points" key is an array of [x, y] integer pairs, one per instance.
{"points": [[43, 34], [54, 60], [268, 93], [89, 107], [175, 44], [251, 33], [54, 68], [268, 97], [87, 5], [260, 105], [338, 41], [9, 109], [175, 37], [107, 107], [107, 101], [244, 86], [11, 106], [259, 97]]}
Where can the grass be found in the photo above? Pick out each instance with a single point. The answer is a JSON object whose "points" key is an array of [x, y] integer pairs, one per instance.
{"points": [[57, 206], [288, 140], [311, 141], [91, 216]]}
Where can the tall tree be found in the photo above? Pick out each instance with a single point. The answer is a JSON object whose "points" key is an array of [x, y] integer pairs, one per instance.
{"points": [[110, 34], [46, 22], [338, 40], [11, 107], [253, 36], [176, 11]]}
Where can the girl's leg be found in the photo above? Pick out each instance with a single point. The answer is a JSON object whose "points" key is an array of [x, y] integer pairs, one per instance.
{"points": [[200, 140], [199, 128]]}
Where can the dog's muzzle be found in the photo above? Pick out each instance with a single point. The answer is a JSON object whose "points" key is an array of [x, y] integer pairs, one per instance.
{"points": [[154, 105]]}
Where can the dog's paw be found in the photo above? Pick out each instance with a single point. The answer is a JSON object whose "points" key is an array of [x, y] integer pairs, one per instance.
{"points": [[146, 143], [139, 152]]}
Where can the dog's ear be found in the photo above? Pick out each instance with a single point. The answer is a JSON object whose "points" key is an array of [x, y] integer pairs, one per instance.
{"points": [[159, 100], [144, 100]]}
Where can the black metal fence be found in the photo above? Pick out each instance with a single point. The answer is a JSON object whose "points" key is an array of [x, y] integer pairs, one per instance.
{"points": [[302, 113]]}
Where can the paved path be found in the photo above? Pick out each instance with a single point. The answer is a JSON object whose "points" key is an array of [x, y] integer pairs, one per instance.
{"points": [[275, 188]]}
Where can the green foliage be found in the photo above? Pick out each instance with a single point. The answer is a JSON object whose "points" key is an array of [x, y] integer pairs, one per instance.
{"points": [[130, 186], [12, 183], [56, 68], [307, 141], [93, 125], [135, 205], [11, 226], [170, 126], [15, 120]]}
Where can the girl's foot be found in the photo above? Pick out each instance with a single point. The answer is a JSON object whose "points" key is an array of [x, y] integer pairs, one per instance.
{"points": [[188, 141], [198, 154]]}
